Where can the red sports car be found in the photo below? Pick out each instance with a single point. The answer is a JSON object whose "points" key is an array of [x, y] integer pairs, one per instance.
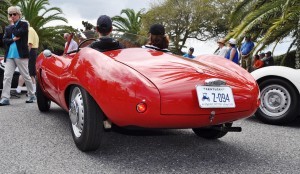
{"points": [[137, 87]]}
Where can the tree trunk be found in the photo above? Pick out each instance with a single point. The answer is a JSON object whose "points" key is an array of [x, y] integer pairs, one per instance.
{"points": [[297, 58]]}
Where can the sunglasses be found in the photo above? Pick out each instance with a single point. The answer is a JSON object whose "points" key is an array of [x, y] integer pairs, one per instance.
{"points": [[12, 14]]}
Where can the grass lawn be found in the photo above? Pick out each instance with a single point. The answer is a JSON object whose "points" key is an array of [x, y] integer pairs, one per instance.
{"points": [[1, 51]]}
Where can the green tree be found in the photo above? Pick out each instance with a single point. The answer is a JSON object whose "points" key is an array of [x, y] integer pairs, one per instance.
{"points": [[3, 12], [39, 16], [198, 19], [4, 4], [88, 32], [268, 22], [130, 25]]}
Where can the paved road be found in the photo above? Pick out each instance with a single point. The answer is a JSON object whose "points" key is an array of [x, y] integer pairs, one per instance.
{"points": [[34, 142]]}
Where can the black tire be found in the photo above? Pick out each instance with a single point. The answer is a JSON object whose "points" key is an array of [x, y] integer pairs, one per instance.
{"points": [[279, 102], [42, 101], [212, 132], [86, 120]]}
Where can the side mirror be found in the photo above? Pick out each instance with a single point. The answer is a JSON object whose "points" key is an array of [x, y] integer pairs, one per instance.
{"points": [[47, 53]]}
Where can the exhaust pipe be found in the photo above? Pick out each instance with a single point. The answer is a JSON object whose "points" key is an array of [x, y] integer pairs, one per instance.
{"points": [[227, 129], [231, 129]]}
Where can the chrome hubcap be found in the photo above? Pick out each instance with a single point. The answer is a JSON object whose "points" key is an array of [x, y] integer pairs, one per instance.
{"points": [[76, 112], [276, 100]]}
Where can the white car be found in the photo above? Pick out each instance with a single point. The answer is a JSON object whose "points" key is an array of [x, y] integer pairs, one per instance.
{"points": [[280, 94]]}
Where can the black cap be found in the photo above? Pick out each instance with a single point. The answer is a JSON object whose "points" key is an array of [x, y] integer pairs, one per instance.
{"points": [[157, 29], [191, 49], [104, 24]]}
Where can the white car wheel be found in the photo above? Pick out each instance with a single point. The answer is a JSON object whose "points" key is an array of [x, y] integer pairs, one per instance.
{"points": [[279, 101], [275, 100]]}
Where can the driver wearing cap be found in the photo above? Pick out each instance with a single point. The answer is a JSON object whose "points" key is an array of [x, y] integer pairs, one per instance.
{"points": [[105, 42], [158, 39]]}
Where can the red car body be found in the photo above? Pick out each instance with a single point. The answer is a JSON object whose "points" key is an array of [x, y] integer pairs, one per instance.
{"points": [[119, 80]]}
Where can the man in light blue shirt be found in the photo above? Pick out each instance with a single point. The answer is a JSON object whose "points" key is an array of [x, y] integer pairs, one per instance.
{"points": [[190, 53], [246, 50], [16, 54]]}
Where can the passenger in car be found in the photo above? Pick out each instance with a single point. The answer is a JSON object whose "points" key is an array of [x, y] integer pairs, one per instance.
{"points": [[105, 42], [158, 40], [73, 44]]}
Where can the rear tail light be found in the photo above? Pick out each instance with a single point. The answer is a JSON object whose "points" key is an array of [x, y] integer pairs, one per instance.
{"points": [[141, 107]]}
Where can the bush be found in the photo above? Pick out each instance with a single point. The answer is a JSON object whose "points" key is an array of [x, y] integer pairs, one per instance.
{"points": [[1, 51], [289, 61]]}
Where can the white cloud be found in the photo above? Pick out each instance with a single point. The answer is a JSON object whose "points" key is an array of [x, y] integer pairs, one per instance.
{"points": [[76, 11]]}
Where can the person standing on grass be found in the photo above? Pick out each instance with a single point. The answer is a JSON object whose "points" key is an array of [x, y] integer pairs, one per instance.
{"points": [[246, 50], [222, 49], [232, 53], [190, 53]]}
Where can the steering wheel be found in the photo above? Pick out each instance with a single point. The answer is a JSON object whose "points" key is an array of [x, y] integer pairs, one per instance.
{"points": [[84, 43]]}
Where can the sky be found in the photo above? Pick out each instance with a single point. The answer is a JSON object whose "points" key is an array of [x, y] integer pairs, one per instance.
{"points": [[77, 11], [89, 10]]}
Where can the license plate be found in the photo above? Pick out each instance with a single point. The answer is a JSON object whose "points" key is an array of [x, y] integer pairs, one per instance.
{"points": [[215, 97]]}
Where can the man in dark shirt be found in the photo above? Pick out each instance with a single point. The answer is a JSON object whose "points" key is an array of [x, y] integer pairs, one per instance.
{"points": [[105, 42], [268, 60]]}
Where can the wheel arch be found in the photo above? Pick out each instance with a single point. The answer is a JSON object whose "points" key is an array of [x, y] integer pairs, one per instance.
{"points": [[67, 96], [278, 77]]}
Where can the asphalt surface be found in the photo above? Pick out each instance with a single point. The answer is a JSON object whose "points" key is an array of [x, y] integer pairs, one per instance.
{"points": [[35, 142]]}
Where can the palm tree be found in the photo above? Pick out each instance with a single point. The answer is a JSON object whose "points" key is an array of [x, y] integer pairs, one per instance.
{"points": [[3, 21], [268, 21], [3, 10], [129, 26], [38, 15]]}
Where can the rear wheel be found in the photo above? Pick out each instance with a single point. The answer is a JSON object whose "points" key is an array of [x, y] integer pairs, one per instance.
{"points": [[42, 101], [212, 132], [279, 101], [86, 120]]}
